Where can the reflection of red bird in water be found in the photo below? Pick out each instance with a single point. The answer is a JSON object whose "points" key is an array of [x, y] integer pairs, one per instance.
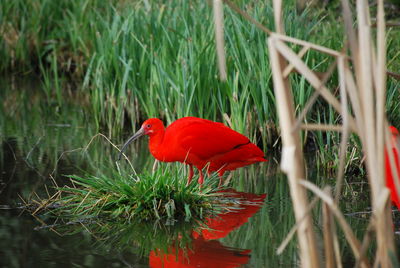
{"points": [[221, 225], [210, 254], [199, 142], [207, 254], [395, 145]]}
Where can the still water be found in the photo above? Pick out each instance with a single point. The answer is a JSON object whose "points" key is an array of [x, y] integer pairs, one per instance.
{"points": [[42, 141]]}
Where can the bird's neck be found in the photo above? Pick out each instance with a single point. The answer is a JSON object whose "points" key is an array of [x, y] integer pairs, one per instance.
{"points": [[155, 144]]}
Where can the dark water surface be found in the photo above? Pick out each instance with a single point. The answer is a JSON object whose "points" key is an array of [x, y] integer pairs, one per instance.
{"points": [[41, 140]]}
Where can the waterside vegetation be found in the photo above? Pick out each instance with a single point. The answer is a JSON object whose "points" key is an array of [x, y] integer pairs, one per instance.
{"points": [[162, 195], [133, 60]]}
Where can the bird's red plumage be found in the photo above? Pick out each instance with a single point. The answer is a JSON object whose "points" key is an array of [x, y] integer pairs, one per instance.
{"points": [[390, 183], [196, 141], [199, 141]]}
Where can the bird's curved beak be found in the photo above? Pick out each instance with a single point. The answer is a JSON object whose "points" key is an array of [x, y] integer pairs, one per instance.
{"points": [[135, 136]]}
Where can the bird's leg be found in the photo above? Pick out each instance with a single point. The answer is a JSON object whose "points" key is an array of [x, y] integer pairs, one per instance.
{"points": [[201, 177], [190, 174]]}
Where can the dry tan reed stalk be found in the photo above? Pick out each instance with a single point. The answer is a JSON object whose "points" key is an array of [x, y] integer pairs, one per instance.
{"points": [[154, 168], [305, 110], [314, 97], [365, 87], [345, 129], [219, 37], [311, 78], [382, 216], [293, 230], [380, 87], [364, 83], [350, 32], [328, 223], [234, 7], [366, 241], [290, 67], [336, 247], [296, 41], [351, 238], [371, 101], [279, 27], [306, 72], [322, 127], [292, 156], [292, 151]]}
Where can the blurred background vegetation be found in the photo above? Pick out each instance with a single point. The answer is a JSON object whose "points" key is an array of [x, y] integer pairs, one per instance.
{"points": [[130, 60]]}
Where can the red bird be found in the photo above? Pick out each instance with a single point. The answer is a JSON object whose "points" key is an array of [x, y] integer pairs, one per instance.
{"points": [[395, 145], [198, 142]]}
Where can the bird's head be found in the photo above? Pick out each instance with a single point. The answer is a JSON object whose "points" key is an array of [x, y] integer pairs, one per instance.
{"points": [[152, 126], [149, 127]]}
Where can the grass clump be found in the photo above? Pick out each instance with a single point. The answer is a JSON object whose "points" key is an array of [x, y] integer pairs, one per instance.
{"points": [[162, 195]]}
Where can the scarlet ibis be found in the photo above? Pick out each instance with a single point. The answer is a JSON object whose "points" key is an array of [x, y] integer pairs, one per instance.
{"points": [[395, 145], [198, 142]]}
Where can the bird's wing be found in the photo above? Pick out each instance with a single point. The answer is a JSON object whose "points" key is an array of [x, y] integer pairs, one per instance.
{"points": [[203, 138]]}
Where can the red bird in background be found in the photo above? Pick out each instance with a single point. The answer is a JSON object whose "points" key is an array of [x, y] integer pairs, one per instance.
{"points": [[198, 142], [395, 145]]}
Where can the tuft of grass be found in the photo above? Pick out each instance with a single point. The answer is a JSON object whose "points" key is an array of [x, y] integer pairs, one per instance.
{"points": [[159, 196]]}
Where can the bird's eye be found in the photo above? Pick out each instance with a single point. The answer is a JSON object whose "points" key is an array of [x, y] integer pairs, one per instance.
{"points": [[148, 126]]}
